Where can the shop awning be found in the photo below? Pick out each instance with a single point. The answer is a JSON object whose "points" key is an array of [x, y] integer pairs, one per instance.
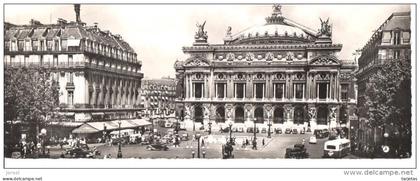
{"points": [[85, 129], [94, 127]]}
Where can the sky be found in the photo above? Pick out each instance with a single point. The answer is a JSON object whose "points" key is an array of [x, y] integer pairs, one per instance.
{"points": [[158, 32]]}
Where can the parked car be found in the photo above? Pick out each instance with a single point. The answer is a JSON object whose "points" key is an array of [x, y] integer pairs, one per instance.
{"points": [[240, 129], [121, 140], [295, 131], [263, 130], [288, 131], [80, 152], [321, 133], [298, 151], [312, 140], [278, 130], [157, 147]]}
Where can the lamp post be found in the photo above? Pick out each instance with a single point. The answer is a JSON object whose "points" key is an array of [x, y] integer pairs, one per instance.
{"points": [[198, 136], [209, 128], [119, 154], [230, 133], [43, 134], [255, 129]]}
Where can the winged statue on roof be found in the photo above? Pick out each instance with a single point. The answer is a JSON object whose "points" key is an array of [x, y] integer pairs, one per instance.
{"points": [[325, 28], [201, 34]]}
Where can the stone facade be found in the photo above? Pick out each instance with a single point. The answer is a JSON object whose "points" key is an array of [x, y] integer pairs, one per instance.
{"points": [[390, 42], [158, 96], [97, 73], [280, 73]]}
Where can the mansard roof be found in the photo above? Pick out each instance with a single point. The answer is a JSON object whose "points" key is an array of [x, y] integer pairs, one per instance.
{"points": [[67, 31]]}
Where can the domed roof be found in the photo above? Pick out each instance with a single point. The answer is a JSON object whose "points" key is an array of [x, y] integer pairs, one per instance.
{"points": [[278, 30], [271, 30]]}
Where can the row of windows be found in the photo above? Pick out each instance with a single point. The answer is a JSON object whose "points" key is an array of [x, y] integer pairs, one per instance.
{"points": [[55, 63], [279, 90], [68, 45]]}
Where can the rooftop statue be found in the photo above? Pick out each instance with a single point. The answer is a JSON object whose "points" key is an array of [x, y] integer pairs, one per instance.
{"points": [[277, 9], [325, 28], [201, 34], [229, 31]]}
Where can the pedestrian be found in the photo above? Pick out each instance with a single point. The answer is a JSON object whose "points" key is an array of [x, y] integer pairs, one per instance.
{"points": [[246, 141], [303, 141], [263, 141], [202, 141], [254, 144]]}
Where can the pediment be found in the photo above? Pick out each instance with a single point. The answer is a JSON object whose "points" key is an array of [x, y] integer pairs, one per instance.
{"points": [[324, 60], [197, 61]]}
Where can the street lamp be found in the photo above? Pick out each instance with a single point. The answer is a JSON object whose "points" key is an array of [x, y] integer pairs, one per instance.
{"points": [[255, 129], [269, 128], [43, 134], [198, 136], [230, 133], [119, 154], [209, 127]]}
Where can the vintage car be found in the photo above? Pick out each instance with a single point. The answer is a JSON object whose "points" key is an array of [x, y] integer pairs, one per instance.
{"points": [[157, 147], [298, 151], [321, 133]]}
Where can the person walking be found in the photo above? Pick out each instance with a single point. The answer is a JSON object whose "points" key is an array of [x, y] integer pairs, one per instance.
{"points": [[254, 144], [263, 141]]}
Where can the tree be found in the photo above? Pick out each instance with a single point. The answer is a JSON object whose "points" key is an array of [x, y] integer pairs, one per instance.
{"points": [[30, 96], [387, 99]]}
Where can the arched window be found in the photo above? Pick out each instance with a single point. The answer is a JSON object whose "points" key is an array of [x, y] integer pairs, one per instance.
{"points": [[322, 115], [259, 115], [278, 115], [198, 114], [220, 114], [239, 115], [299, 115]]}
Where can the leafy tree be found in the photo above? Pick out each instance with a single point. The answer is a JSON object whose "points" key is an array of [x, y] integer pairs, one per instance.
{"points": [[30, 97], [387, 99]]}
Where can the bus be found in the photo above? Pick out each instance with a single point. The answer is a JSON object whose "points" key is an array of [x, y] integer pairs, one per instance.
{"points": [[336, 148]]}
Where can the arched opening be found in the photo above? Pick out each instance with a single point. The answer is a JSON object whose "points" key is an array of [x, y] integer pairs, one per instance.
{"points": [[239, 115], [299, 115], [322, 115], [198, 114], [220, 114], [278, 115], [259, 115]]}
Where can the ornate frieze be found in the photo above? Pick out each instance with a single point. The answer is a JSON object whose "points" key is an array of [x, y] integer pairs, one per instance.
{"points": [[249, 56], [269, 56], [324, 60], [258, 76], [279, 76]]}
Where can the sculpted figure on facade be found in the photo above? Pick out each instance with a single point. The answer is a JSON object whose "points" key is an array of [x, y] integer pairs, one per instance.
{"points": [[201, 34], [325, 28], [312, 113], [333, 113], [229, 31], [187, 110]]}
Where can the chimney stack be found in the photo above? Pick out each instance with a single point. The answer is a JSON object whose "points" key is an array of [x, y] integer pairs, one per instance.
{"points": [[77, 10]]}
